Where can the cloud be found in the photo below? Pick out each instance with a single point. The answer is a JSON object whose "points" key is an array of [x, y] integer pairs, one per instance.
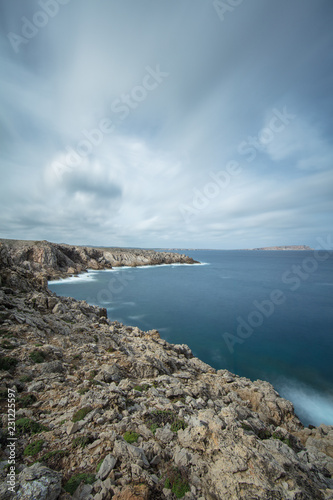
{"points": [[224, 82]]}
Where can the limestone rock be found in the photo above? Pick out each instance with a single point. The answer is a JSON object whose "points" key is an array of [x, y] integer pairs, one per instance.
{"points": [[108, 464], [38, 483]]}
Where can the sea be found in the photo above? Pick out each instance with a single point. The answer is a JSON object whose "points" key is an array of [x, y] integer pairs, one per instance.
{"points": [[264, 315]]}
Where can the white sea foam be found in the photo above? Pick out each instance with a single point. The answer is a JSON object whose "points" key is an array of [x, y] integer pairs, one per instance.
{"points": [[156, 266], [310, 406], [138, 317], [89, 276]]}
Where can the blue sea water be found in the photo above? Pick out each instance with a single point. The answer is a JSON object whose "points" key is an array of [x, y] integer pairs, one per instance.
{"points": [[282, 299]]}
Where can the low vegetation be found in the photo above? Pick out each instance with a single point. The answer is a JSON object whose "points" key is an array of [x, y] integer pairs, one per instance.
{"points": [[74, 482], [177, 481], [33, 448], [80, 414], [131, 437], [8, 363], [27, 426], [37, 356]]}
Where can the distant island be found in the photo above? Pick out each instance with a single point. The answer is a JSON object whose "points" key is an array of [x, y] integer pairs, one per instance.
{"points": [[287, 247]]}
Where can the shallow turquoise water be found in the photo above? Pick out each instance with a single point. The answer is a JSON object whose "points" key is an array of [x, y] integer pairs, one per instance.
{"points": [[284, 301]]}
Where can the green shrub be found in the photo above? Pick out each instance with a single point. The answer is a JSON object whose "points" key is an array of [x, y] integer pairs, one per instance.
{"points": [[159, 418], [131, 437], [37, 356], [27, 400], [264, 434], [141, 388], [178, 424], [99, 465], [5, 344], [153, 428], [283, 440], [25, 378], [92, 374], [7, 363], [34, 448], [80, 414], [82, 441], [110, 349], [4, 395], [96, 382], [4, 438], [83, 391], [27, 426], [177, 481], [53, 459], [73, 483]]}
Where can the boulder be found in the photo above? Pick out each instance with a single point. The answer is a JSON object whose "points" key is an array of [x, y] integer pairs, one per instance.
{"points": [[38, 483]]}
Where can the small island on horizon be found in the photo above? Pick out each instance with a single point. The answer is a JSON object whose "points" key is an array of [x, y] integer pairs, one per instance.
{"points": [[286, 247]]}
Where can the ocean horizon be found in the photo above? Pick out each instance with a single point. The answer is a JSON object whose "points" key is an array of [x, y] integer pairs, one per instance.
{"points": [[260, 314]]}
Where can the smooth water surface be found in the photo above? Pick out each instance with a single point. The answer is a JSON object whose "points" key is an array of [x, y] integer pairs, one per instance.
{"points": [[289, 342]]}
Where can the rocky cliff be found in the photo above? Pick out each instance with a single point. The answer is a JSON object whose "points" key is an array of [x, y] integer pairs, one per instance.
{"points": [[105, 410], [53, 260]]}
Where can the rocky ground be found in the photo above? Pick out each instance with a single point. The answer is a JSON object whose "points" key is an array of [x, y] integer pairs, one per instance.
{"points": [[107, 411]]}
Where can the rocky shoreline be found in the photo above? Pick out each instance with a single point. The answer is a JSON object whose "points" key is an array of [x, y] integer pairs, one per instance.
{"points": [[105, 410], [53, 261]]}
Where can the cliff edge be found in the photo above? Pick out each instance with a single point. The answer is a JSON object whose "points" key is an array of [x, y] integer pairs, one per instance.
{"points": [[107, 411], [54, 261]]}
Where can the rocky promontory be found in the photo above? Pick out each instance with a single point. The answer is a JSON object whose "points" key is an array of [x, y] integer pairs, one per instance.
{"points": [[107, 411], [54, 261]]}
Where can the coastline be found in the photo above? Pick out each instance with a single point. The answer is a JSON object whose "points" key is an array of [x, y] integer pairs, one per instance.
{"points": [[218, 430]]}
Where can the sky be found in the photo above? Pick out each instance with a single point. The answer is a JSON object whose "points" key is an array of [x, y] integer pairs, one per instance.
{"points": [[167, 123]]}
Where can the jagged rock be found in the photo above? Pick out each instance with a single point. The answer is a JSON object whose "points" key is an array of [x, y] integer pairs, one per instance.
{"points": [[108, 464], [181, 457], [52, 367], [137, 492], [83, 492], [165, 434], [38, 483], [110, 373]]}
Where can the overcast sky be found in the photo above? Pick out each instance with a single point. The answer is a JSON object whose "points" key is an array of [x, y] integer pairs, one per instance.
{"points": [[167, 123]]}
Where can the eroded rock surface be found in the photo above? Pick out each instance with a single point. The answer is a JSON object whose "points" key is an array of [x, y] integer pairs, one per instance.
{"points": [[141, 418], [51, 260]]}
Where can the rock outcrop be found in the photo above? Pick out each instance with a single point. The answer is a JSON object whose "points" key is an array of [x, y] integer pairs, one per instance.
{"points": [[105, 410], [52, 261]]}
